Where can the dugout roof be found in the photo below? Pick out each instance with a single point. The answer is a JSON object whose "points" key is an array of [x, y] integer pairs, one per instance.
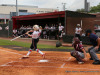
{"points": [[53, 15], [41, 16]]}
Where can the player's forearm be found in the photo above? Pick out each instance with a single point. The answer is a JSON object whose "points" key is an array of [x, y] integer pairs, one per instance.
{"points": [[84, 53], [29, 35]]}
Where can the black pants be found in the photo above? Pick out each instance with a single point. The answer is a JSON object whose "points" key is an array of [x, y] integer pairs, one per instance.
{"points": [[34, 43], [79, 37], [59, 33]]}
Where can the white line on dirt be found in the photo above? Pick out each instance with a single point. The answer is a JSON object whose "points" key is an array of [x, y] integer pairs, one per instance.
{"points": [[37, 62], [51, 67], [10, 52], [62, 65], [69, 58], [6, 63], [51, 56]]}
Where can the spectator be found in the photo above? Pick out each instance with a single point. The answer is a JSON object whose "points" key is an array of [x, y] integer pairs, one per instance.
{"points": [[14, 32], [47, 30], [52, 35], [83, 33], [54, 27], [22, 27], [63, 33], [60, 30], [46, 27], [19, 32], [44, 34], [0, 28]]}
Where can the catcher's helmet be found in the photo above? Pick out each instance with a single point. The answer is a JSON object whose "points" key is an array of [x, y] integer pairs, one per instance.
{"points": [[36, 27], [76, 40]]}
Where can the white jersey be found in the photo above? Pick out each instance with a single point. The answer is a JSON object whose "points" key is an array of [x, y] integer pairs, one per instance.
{"points": [[36, 34], [14, 31], [83, 34], [76, 30], [46, 27], [60, 28]]}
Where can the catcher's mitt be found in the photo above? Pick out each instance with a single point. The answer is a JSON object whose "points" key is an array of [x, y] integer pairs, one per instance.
{"points": [[58, 44]]}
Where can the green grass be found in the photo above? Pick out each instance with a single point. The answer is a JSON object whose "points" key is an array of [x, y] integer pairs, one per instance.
{"points": [[23, 44]]}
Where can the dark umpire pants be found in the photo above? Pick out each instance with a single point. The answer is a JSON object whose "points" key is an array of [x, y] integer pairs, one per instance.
{"points": [[79, 37], [34, 43]]}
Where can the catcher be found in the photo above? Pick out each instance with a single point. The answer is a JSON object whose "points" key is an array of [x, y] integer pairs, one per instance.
{"points": [[79, 52], [35, 38]]}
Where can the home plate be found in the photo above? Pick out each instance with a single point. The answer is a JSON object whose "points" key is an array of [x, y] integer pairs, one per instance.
{"points": [[43, 61]]}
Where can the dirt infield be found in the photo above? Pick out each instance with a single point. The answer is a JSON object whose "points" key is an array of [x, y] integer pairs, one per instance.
{"points": [[57, 63]]}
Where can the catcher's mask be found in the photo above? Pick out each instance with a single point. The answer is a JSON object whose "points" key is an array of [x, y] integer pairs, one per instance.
{"points": [[36, 27], [76, 40]]}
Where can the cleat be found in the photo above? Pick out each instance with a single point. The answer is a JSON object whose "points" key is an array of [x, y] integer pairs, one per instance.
{"points": [[96, 62], [91, 58], [80, 62], [43, 56]]}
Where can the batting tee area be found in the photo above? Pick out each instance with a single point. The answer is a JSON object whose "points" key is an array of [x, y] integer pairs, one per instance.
{"points": [[55, 63]]}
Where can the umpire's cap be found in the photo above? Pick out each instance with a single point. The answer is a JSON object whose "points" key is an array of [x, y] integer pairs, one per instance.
{"points": [[88, 31]]}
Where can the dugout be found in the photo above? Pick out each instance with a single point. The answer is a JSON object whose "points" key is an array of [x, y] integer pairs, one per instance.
{"points": [[69, 19]]}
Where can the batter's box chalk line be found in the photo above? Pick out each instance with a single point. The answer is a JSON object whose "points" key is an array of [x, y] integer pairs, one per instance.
{"points": [[11, 52], [7, 63], [62, 65], [45, 66]]}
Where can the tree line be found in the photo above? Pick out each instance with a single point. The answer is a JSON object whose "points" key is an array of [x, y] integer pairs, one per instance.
{"points": [[94, 9]]}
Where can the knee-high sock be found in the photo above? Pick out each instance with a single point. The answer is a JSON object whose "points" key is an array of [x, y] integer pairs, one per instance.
{"points": [[29, 52], [39, 51]]}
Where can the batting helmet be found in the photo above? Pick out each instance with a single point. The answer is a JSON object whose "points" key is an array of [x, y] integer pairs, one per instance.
{"points": [[36, 27], [76, 40], [78, 24]]}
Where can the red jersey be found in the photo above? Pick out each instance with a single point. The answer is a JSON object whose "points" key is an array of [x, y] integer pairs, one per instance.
{"points": [[78, 47]]}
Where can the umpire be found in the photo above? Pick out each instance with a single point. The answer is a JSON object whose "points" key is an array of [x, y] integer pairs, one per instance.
{"points": [[95, 41]]}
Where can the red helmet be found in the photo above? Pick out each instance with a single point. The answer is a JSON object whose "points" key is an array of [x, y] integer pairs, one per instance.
{"points": [[76, 40]]}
